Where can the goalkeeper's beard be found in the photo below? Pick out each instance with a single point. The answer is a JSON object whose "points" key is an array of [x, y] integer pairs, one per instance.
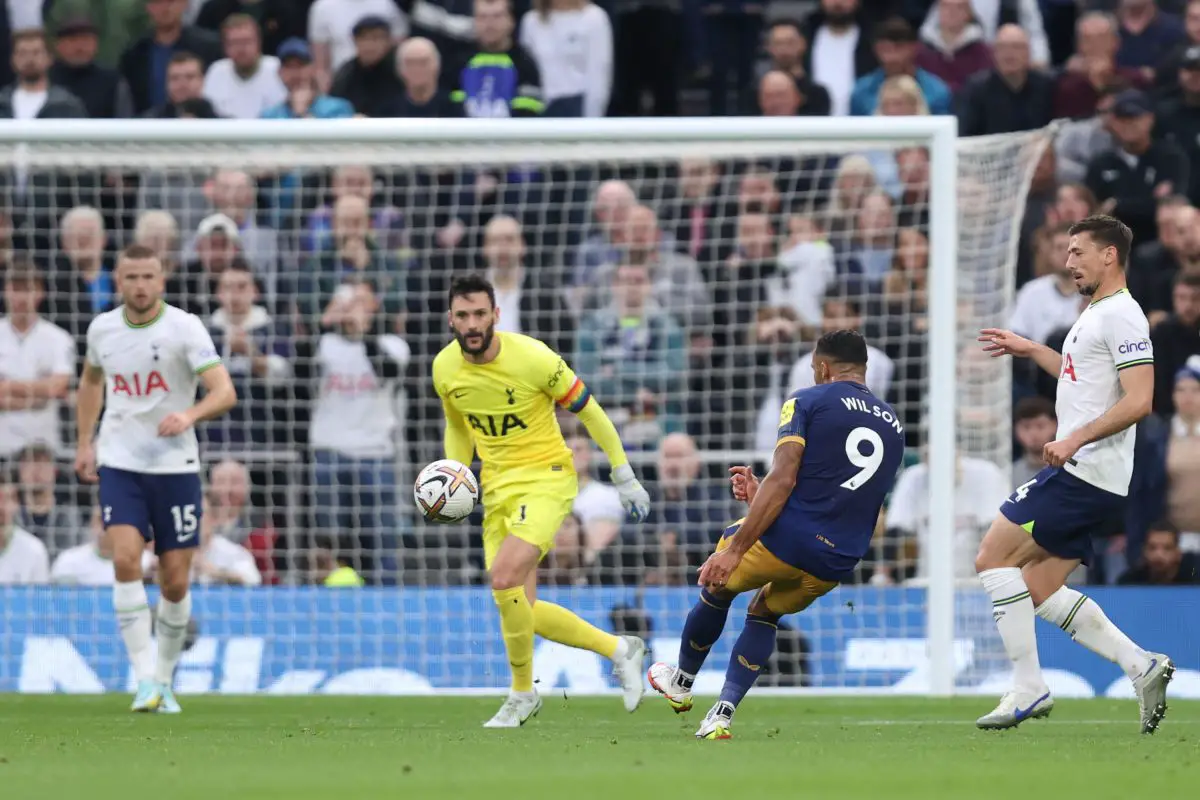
{"points": [[485, 341]]}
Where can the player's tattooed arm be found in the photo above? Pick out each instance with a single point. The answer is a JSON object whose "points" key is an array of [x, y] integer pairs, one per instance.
{"points": [[1137, 400]]}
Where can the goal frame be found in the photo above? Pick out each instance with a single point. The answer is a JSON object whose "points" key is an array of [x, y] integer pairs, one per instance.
{"points": [[939, 134]]}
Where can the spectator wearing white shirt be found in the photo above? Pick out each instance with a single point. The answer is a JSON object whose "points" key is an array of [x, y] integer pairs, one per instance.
{"points": [[572, 43], [37, 360], [331, 31], [220, 561], [843, 313], [90, 564], [1050, 302], [597, 505], [23, 559], [56, 524], [245, 83]]}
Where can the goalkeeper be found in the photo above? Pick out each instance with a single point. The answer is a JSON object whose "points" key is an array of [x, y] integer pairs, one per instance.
{"points": [[498, 391]]}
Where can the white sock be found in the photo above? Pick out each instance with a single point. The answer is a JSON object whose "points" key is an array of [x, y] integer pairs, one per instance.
{"points": [[172, 630], [1013, 611], [622, 649], [1080, 616], [133, 617]]}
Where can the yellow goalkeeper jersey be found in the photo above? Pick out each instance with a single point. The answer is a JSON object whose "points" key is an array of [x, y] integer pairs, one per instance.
{"points": [[508, 403]]}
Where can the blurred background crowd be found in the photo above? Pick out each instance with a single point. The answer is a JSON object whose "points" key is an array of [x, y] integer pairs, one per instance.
{"points": [[687, 293]]}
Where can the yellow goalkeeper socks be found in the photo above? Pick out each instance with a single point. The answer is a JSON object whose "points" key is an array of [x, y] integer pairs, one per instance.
{"points": [[560, 625], [516, 623]]}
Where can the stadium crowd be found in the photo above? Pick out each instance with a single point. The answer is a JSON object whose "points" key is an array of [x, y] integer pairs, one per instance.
{"points": [[686, 294]]}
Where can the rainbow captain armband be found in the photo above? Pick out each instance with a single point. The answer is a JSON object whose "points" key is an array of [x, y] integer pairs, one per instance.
{"points": [[576, 397]]}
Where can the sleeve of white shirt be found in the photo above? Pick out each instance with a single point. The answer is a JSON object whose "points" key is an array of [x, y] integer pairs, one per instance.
{"points": [[246, 569], [1030, 17], [60, 569], [881, 381], [1127, 334], [396, 348], [801, 377], [277, 93], [39, 566], [1018, 321], [599, 64], [64, 355], [319, 31], [93, 355], [902, 507], [201, 352], [399, 22]]}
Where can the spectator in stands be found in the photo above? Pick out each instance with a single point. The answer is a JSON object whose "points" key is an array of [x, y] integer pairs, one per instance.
{"points": [[1163, 562], [1154, 265], [992, 16], [912, 168], [527, 304], [1129, 179], [219, 561], [278, 20], [572, 43], [874, 245], [1146, 33], [304, 100], [23, 557], [217, 245], [1166, 72], [355, 429], [90, 563], [896, 49], [368, 81], [843, 311], [1050, 301], [235, 518], [82, 286], [688, 513], [245, 83], [773, 343], [853, 181], [1183, 455], [787, 50], [102, 90], [744, 278], [806, 270], [144, 64], [841, 51], [1009, 97], [900, 96], [610, 209], [333, 32], [1176, 340], [1072, 202], [647, 46], [420, 68], [57, 525], [256, 351], [351, 253], [185, 89], [632, 354], [692, 218], [678, 285], [779, 96], [33, 95], [1092, 68], [509, 83], [952, 44], [387, 222], [37, 362], [233, 193], [563, 566], [597, 507], [1178, 119], [1080, 141], [980, 488], [158, 231], [1034, 425]]}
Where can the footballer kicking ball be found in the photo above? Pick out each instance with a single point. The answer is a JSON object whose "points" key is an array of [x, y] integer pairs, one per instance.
{"points": [[446, 491]]}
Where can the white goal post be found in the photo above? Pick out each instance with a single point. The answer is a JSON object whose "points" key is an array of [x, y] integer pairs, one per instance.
{"points": [[972, 249]]}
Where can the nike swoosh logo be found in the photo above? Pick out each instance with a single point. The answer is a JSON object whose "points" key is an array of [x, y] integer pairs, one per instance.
{"points": [[185, 537], [459, 394], [1149, 669], [1023, 713]]}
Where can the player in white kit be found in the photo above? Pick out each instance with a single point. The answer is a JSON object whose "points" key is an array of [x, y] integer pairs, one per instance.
{"points": [[145, 360], [1043, 532]]}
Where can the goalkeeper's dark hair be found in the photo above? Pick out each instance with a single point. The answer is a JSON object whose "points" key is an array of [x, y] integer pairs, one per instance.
{"points": [[471, 284], [1107, 231], [843, 347]]}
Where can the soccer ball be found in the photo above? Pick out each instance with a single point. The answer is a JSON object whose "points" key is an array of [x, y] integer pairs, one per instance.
{"points": [[446, 491]]}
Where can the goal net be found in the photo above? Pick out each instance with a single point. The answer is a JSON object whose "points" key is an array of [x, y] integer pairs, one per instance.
{"points": [[685, 268]]}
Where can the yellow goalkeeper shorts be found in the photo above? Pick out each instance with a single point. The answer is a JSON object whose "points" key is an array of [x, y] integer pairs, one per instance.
{"points": [[532, 510]]}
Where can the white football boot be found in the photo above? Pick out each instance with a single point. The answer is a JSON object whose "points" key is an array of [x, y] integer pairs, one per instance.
{"points": [[1151, 688], [664, 679], [148, 698], [1015, 708], [518, 708], [168, 703], [628, 670], [717, 722]]}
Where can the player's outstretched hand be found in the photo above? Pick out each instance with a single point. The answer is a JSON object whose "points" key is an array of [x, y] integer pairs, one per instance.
{"points": [[85, 463], [999, 342], [745, 485], [174, 424], [717, 569], [635, 499]]}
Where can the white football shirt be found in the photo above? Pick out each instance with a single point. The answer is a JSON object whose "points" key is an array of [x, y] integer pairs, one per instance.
{"points": [[1110, 335], [43, 351], [84, 566], [355, 413], [150, 371], [227, 556], [23, 559]]}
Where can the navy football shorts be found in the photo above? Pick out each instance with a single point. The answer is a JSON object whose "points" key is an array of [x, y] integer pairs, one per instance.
{"points": [[1062, 512], [166, 509]]}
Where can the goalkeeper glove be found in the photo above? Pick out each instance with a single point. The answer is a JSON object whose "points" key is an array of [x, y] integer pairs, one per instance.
{"points": [[635, 499]]}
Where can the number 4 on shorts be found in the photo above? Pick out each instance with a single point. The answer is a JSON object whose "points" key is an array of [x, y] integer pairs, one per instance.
{"points": [[1022, 491]]}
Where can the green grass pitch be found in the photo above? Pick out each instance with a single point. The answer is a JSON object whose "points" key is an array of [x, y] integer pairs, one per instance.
{"points": [[338, 748]]}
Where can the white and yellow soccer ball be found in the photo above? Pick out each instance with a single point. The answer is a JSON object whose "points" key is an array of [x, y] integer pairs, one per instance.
{"points": [[446, 491]]}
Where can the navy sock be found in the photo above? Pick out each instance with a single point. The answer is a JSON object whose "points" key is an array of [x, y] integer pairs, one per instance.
{"points": [[750, 654], [704, 624]]}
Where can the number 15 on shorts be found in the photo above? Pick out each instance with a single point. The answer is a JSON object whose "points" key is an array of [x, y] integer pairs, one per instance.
{"points": [[185, 522]]}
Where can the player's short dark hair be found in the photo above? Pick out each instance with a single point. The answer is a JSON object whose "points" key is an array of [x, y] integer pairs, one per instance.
{"points": [[138, 252], [1032, 408], [1107, 231], [844, 347], [1188, 279], [1163, 526], [471, 284], [895, 30]]}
